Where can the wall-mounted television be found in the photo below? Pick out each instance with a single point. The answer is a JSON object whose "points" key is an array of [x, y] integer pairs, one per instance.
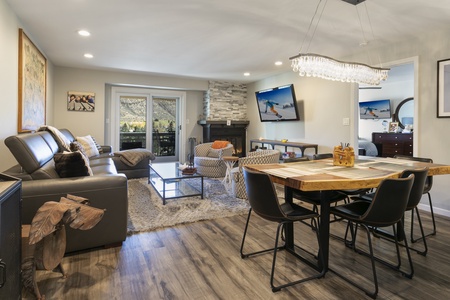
{"points": [[376, 109], [277, 104]]}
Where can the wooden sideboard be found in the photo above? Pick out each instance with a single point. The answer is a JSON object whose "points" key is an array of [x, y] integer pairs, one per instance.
{"points": [[390, 144]]}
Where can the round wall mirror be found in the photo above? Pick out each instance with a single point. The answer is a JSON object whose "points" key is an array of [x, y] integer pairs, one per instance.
{"points": [[404, 113]]}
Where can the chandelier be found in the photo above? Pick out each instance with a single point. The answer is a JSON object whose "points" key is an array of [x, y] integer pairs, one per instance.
{"points": [[316, 65]]}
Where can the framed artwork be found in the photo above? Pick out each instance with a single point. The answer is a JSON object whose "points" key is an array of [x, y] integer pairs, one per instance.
{"points": [[393, 127], [32, 85], [443, 88], [80, 101]]}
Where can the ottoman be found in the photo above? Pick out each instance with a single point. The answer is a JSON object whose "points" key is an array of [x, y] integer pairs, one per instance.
{"points": [[133, 162]]}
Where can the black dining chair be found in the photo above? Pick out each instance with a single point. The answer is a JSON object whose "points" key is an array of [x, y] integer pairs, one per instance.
{"points": [[426, 190], [313, 197], [264, 202], [386, 209], [420, 177]]}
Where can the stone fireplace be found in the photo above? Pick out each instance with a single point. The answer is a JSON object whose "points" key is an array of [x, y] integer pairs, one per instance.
{"points": [[225, 115]]}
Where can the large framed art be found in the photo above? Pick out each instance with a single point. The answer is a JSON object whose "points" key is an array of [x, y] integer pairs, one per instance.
{"points": [[443, 89], [32, 85]]}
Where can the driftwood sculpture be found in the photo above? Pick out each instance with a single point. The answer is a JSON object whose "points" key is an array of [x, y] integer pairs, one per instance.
{"points": [[44, 241]]}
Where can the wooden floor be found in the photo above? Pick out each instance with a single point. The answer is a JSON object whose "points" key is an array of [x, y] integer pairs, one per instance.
{"points": [[202, 261]]}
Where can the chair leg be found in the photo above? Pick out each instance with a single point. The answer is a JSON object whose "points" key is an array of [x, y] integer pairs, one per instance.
{"points": [[372, 294], [276, 248], [423, 237], [245, 255], [433, 232]]}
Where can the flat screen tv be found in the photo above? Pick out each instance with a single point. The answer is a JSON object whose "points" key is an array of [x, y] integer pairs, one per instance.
{"points": [[277, 104], [377, 109]]}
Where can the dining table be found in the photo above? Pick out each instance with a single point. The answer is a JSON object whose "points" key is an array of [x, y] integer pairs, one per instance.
{"points": [[322, 175]]}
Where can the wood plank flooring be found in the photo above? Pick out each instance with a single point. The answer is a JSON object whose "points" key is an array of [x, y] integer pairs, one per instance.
{"points": [[202, 261]]}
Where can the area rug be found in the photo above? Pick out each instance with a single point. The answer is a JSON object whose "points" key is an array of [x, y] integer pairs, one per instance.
{"points": [[146, 211]]}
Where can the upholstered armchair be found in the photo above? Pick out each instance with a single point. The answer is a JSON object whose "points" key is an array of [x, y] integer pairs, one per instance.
{"points": [[252, 158], [208, 159]]}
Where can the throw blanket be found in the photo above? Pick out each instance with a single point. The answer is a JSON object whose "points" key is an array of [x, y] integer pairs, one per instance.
{"points": [[132, 157]]}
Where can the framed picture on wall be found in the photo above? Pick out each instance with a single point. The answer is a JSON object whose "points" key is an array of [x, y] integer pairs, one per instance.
{"points": [[393, 127], [80, 101], [32, 85], [443, 89]]}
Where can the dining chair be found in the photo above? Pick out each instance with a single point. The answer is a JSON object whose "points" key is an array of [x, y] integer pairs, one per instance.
{"points": [[386, 209], [420, 177], [264, 202], [313, 197], [426, 190]]}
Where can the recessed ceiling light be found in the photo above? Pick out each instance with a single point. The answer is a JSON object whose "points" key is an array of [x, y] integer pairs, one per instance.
{"points": [[88, 55], [84, 33], [278, 63], [246, 74]]}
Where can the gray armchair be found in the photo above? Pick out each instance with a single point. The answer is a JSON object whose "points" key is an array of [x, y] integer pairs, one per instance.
{"points": [[208, 161]]}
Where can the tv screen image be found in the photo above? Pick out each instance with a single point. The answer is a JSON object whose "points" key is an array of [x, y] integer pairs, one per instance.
{"points": [[277, 104], [377, 109]]}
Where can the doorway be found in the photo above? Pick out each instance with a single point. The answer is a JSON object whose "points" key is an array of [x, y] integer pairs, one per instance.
{"points": [[149, 119]]}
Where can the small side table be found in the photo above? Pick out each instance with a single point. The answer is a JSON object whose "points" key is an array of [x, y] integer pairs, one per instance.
{"points": [[229, 162]]}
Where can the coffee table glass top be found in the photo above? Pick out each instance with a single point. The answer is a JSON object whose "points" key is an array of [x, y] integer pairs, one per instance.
{"points": [[170, 183]]}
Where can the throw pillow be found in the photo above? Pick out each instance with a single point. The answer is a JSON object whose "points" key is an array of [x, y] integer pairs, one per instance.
{"points": [[62, 141], [215, 153], [100, 149], [76, 146], [219, 144], [88, 145], [72, 164]]}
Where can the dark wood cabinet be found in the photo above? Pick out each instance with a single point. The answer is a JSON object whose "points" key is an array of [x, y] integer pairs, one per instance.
{"points": [[10, 237], [390, 144]]}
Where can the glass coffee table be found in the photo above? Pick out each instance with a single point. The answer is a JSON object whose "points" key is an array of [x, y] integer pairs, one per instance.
{"points": [[170, 183]]}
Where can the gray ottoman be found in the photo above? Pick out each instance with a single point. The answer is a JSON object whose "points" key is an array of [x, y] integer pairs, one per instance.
{"points": [[133, 162]]}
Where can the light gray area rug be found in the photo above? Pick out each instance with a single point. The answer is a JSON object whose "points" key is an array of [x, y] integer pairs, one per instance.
{"points": [[146, 211]]}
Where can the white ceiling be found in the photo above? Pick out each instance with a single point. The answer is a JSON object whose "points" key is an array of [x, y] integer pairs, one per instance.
{"points": [[218, 40]]}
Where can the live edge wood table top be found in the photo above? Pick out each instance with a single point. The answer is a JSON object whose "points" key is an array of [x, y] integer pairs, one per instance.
{"points": [[322, 175], [368, 172]]}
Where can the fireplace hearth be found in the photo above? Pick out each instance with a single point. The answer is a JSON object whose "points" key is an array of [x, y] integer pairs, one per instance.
{"points": [[235, 133]]}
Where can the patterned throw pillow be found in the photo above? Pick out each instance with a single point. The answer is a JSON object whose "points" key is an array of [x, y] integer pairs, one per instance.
{"points": [[100, 149], [76, 146], [72, 164], [88, 145]]}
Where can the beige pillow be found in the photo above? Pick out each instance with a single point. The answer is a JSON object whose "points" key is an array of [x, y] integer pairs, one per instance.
{"points": [[88, 144]]}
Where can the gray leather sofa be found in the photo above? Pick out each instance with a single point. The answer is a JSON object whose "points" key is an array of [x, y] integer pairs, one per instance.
{"points": [[106, 189]]}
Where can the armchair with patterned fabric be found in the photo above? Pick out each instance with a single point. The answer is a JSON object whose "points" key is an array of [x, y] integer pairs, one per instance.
{"points": [[208, 158], [252, 158]]}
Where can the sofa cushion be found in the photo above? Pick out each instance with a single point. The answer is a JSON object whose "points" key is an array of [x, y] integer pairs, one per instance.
{"points": [[62, 141], [72, 164], [32, 150], [88, 144]]}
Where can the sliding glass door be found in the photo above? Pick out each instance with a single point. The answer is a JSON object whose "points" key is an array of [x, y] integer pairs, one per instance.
{"points": [[150, 119]]}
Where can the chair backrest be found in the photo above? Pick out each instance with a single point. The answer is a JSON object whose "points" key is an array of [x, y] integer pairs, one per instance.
{"points": [[429, 181], [420, 176], [389, 202], [322, 156], [262, 195]]}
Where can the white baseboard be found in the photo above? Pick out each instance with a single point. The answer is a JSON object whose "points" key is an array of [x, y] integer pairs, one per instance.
{"points": [[437, 211]]}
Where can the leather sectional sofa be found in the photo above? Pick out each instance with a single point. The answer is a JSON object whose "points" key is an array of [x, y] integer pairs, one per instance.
{"points": [[106, 189]]}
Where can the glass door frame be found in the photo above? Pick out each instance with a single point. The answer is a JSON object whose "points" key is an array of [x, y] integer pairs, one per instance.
{"points": [[149, 93]]}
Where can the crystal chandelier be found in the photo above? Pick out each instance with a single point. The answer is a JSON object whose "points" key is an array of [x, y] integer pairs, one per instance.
{"points": [[325, 67], [315, 65]]}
